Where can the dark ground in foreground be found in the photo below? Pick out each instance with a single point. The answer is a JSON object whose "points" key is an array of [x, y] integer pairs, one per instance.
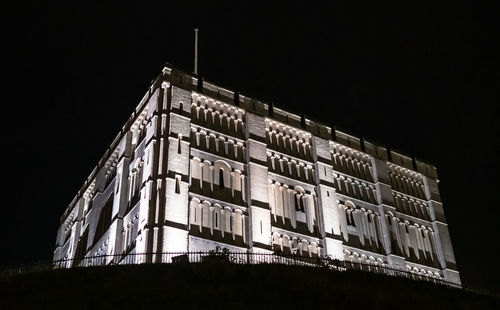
{"points": [[228, 286]]}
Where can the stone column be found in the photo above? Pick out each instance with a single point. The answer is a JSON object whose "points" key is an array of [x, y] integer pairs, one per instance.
{"points": [[330, 217], [257, 182], [175, 171], [443, 241], [386, 203]]}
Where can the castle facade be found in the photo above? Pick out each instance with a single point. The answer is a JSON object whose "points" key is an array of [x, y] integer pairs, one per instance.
{"points": [[198, 166]]}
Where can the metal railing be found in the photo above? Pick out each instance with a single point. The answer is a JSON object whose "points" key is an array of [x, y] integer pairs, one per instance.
{"points": [[217, 256]]}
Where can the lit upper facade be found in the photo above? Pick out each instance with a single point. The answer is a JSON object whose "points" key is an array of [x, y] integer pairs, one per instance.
{"points": [[197, 166]]}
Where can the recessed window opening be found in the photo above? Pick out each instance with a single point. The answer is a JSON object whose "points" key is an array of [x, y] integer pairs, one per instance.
{"points": [[177, 186], [298, 202], [117, 184], [221, 178], [179, 139]]}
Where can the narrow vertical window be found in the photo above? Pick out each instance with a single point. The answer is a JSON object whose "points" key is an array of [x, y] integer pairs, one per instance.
{"points": [[179, 139], [221, 177], [177, 186], [350, 218], [327, 193], [118, 181], [180, 108], [325, 170], [216, 220], [261, 227]]}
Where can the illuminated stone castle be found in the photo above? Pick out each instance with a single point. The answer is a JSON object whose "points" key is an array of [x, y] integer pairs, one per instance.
{"points": [[198, 166]]}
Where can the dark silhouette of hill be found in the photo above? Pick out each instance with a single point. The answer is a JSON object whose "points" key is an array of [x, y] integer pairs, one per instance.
{"points": [[228, 286]]}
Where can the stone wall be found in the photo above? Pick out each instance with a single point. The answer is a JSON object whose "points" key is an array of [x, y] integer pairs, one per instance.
{"points": [[198, 166]]}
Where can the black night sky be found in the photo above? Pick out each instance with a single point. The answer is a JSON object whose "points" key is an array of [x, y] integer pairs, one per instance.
{"points": [[422, 79]]}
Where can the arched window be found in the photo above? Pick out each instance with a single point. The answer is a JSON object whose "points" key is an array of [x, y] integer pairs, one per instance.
{"points": [[217, 217], [206, 172], [224, 177], [349, 211], [299, 194], [205, 214], [195, 212], [195, 168]]}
